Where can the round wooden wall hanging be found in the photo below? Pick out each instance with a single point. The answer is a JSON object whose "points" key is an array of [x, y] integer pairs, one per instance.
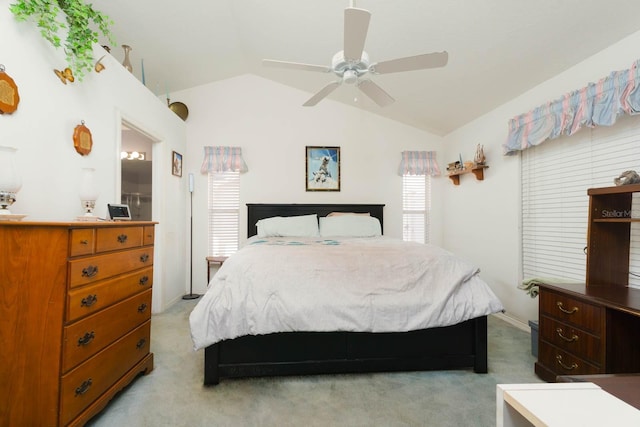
{"points": [[9, 97], [82, 141]]}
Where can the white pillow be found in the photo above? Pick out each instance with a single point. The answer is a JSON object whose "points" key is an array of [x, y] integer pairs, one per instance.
{"points": [[350, 226], [288, 226], [348, 213]]}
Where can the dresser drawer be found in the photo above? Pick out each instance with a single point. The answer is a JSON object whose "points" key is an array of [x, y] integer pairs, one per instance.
{"points": [[148, 235], [586, 316], [92, 298], [563, 363], [87, 382], [82, 241], [88, 336], [91, 269], [571, 339], [116, 238]]}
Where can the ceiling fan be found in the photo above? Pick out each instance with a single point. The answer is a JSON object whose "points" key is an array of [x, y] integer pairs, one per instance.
{"points": [[352, 63]]}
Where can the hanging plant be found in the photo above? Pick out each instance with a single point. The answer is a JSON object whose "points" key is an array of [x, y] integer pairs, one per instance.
{"points": [[76, 19]]}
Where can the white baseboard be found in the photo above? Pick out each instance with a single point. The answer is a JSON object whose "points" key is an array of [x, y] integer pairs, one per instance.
{"points": [[515, 322]]}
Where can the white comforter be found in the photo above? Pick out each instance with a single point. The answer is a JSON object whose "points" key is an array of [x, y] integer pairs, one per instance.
{"points": [[360, 284]]}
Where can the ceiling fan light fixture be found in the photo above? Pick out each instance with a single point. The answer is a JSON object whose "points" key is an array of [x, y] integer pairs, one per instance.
{"points": [[351, 65], [350, 77]]}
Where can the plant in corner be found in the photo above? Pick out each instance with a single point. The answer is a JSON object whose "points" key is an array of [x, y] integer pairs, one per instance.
{"points": [[77, 21]]}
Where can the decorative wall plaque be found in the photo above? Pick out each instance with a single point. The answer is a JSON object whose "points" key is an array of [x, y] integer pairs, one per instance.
{"points": [[82, 141], [9, 97]]}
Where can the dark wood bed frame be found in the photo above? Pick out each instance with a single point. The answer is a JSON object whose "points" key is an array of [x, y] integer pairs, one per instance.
{"points": [[302, 353]]}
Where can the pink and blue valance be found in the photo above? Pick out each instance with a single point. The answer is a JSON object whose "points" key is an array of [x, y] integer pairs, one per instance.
{"points": [[418, 163], [223, 159], [597, 104]]}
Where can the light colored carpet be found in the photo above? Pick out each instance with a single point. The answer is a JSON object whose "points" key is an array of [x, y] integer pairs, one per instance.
{"points": [[173, 393]]}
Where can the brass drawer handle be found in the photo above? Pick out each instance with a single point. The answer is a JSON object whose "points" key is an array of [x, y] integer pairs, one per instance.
{"points": [[144, 280], [142, 308], [84, 387], [568, 368], [564, 310], [84, 242], [144, 257], [141, 343], [88, 301], [89, 271], [574, 337], [122, 238], [86, 339]]}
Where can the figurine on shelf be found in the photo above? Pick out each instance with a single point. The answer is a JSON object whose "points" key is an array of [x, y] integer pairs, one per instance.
{"points": [[626, 178], [479, 157]]}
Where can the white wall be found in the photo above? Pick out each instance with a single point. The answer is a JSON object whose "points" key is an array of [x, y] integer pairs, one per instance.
{"points": [[42, 128], [267, 120], [483, 218]]}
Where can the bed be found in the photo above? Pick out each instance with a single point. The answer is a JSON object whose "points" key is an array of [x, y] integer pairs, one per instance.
{"points": [[462, 345]]}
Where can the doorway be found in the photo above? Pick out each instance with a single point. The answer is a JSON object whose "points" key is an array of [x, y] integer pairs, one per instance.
{"points": [[136, 172]]}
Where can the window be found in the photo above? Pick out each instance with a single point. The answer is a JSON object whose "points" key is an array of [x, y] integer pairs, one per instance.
{"points": [[224, 212], [416, 203], [555, 205]]}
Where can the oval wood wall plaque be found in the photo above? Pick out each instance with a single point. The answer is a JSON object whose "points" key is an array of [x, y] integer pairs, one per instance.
{"points": [[9, 97], [82, 140]]}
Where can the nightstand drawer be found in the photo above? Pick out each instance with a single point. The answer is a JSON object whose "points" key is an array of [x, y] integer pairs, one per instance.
{"points": [[92, 298], [574, 340], [563, 363], [585, 316], [87, 382], [86, 337], [91, 269]]}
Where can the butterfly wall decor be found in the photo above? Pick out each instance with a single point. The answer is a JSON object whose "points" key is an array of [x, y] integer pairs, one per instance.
{"points": [[65, 76]]}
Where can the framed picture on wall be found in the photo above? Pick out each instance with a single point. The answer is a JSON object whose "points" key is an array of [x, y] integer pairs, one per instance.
{"points": [[322, 169], [176, 163]]}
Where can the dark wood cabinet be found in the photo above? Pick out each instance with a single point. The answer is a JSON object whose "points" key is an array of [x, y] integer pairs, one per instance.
{"points": [[594, 328]]}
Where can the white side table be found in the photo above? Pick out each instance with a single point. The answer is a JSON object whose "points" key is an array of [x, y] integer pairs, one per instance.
{"points": [[561, 404]]}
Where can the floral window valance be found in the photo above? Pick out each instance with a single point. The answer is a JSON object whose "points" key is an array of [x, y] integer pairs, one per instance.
{"points": [[418, 163], [223, 159], [598, 104]]}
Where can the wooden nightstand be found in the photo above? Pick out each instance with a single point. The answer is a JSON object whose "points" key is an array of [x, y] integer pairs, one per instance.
{"points": [[214, 260]]}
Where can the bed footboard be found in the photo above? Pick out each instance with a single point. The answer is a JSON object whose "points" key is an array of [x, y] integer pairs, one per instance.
{"points": [[305, 353], [211, 374]]}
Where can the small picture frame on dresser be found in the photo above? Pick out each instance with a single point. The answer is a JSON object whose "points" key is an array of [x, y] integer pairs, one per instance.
{"points": [[118, 212]]}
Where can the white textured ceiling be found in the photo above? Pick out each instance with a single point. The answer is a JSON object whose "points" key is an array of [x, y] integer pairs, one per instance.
{"points": [[498, 49]]}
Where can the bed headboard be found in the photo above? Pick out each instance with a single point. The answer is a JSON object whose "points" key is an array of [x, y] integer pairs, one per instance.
{"points": [[258, 211]]}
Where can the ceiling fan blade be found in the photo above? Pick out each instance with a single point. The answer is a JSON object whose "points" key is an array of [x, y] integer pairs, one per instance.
{"points": [[324, 92], [295, 65], [356, 25], [410, 63], [375, 92]]}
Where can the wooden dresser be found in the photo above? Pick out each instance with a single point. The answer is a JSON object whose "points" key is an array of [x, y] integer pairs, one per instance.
{"points": [[75, 317], [594, 328]]}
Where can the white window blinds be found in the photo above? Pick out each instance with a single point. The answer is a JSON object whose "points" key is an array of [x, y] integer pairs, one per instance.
{"points": [[555, 205], [224, 210], [416, 202]]}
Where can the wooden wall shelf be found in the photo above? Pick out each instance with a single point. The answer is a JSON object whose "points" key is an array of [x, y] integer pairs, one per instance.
{"points": [[477, 170]]}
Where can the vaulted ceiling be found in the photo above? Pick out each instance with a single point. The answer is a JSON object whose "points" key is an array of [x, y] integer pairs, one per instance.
{"points": [[497, 49]]}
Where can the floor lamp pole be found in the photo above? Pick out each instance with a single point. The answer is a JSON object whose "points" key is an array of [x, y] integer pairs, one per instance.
{"points": [[191, 295]]}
